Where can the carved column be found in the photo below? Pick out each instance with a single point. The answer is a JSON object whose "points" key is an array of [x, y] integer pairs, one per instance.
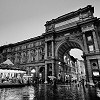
{"points": [[45, 50], [45, 73], [29, 70], [37, 54], [16, 58], [52, 49], [85, 44], [28, 56], [37, 69], [53, 69], [95, 41], [99, 63], [21, 57]]}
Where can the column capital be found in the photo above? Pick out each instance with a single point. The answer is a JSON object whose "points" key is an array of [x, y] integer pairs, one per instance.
{"points": [[52, 49]]}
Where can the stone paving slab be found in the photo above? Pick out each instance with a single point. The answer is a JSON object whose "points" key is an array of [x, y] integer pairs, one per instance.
{"points": [[48, 92]]}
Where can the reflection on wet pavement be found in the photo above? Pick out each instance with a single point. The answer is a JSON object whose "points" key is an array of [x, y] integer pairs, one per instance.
{"points": [[45, 92]]}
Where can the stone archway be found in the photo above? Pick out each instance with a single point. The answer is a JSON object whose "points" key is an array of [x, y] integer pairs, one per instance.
{"points": [[67, 44], [78, 29], [64, 46], [1, 58]]}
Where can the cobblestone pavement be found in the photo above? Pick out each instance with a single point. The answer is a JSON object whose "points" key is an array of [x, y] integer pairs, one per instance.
{"points": [[47, 92]]}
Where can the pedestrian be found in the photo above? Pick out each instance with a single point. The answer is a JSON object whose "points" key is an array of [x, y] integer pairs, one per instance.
{"points": [[82, 81], [55, 84], [99, 84]]}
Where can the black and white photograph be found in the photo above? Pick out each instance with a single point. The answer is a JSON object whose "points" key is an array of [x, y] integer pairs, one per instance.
{"points": [[49, 49]]}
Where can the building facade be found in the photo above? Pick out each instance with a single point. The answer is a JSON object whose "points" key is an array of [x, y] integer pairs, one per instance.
{"points": [[81, 73], [77, 29], [27, 55], [71, 67]]}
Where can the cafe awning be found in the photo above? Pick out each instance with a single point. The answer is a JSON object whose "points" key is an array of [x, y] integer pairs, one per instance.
{"points": [[8, 62]]}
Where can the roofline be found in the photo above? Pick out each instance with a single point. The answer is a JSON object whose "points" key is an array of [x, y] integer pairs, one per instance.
{"points": [[71, 14], [22, 42]]}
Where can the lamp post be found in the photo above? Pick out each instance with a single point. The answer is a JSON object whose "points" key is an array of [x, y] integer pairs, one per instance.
{"points": [[33, 74]]}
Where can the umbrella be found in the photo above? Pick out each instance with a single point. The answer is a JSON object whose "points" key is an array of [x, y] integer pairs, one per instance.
{"points": [[8, 62], [52, 77]]}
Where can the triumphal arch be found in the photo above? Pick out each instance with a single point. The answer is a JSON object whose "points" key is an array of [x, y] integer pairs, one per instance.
{"points": [[77, 29]]}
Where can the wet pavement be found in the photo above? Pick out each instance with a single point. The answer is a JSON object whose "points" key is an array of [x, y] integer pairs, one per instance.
{"points": [[47, 92]]}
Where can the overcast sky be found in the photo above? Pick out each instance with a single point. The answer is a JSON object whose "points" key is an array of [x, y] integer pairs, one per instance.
{"points": [[24, 19]]}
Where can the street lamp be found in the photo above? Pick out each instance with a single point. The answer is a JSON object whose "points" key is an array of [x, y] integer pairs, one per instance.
{"points": [[33, 71]]}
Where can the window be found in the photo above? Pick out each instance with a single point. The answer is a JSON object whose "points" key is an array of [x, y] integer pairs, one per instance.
{"points": [[90, 41], [96, 73], [94, 64], [4, 50], [91, 48], [30, 45], [89, 38], [23, 47]]}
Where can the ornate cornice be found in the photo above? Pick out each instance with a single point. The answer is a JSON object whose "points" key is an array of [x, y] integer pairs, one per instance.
{"points": [[71, 14]]}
